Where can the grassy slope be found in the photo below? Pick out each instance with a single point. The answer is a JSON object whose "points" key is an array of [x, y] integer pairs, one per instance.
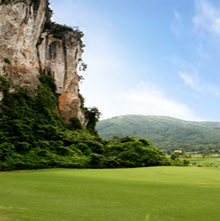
{"points": [[172, 193], [162, 131]]}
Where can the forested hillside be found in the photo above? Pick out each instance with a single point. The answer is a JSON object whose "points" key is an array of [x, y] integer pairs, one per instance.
{"points": [[34, 135], [165, 132]]}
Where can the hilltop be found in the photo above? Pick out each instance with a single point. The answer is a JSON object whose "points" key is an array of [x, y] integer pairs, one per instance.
{"points": [[166, 133]]}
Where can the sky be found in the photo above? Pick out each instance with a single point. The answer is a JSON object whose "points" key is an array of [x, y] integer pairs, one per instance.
{"points": [[148, 57]]}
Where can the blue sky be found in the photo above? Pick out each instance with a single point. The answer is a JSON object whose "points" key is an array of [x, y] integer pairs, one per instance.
{"points": [[149, 57]]}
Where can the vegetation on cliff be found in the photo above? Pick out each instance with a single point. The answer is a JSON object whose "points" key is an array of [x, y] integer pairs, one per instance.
{"points": [[34, 135]]}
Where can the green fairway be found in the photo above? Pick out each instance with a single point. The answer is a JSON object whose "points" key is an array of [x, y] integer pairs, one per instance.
{"points": [[209, 161], [152, 193], [205, 160]]}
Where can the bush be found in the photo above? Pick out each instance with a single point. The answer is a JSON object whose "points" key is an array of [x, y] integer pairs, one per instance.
{"points": [[173, 156], [48, 81], [33, 135], [6, 60], [75, 124], [6, 150], [96, 160]]}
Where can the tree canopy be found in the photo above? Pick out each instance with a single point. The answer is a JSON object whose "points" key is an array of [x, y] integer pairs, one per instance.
{"points": [[34, 135]]}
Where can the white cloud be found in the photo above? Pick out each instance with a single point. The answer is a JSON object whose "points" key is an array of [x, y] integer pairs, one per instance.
{"points": [[147, 99], [207, 17], [191, 80], [198, 85], [109, 72]]}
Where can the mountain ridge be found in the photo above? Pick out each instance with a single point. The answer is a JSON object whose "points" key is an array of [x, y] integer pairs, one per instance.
{"points": [[166, 133]]}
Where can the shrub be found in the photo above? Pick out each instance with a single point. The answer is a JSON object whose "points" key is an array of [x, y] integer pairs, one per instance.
{"points": [[96, 160], [173, 156], [75, 124], [6, 150], [186, 162], [34, 135], [48, 81], [6, 60]]}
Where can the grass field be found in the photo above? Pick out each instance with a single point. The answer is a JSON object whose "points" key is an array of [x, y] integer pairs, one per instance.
{"points": [[205, 160], [212, 155], [153, 193], [212, 160]]}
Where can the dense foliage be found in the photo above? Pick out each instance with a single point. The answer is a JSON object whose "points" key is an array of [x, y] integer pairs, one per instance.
{"points": [[166, 133], [34, 135]]}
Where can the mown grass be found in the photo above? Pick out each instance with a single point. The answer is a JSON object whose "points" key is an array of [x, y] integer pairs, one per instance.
{"points": [[212, 160], [212, 155], [152, 193], [205, 160]]}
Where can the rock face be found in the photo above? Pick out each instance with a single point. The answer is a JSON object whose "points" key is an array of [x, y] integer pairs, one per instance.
{"points": [[28, 48]]}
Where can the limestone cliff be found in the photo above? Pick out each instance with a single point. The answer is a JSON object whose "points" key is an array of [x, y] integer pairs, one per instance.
{"points": [[31, 45]]}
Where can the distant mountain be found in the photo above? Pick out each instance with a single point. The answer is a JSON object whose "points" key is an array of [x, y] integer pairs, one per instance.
{"points": [[166, 133]]}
